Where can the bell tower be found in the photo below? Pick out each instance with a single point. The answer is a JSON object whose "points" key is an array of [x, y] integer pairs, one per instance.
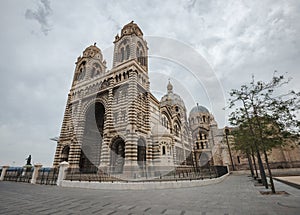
{"points": [[130, 45]]}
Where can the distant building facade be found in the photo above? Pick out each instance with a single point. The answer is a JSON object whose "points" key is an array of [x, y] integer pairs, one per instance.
{"points": [[113, 122]]}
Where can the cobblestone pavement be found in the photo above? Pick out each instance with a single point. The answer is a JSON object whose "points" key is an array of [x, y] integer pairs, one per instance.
{"points": [[235, 195]]}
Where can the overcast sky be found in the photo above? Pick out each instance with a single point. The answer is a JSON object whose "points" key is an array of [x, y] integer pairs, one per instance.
{"points": [[227, 41]]}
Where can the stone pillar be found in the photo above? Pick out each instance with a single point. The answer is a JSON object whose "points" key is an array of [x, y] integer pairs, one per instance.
{"points": [[74, 154], [4, 168], [108, 127], [63, 166], [131, 166], [105, 155], [35, 173]]}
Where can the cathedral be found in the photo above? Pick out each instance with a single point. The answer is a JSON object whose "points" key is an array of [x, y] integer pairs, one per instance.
{"points": [[113, 123]]}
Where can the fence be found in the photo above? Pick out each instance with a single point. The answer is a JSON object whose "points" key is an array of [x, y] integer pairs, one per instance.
{"points": [[47, 176], [77, 174], [178, 174], [19, 174]]}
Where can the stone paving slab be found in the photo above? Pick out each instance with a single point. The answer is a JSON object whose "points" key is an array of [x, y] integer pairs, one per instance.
{"points": [[293, 179], [235, 195]]}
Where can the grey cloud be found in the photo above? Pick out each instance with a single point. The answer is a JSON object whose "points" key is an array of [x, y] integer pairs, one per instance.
{"points": [[41, 14]]}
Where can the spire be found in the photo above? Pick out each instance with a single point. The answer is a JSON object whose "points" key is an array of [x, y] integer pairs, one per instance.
{"points": [[170, 87]]}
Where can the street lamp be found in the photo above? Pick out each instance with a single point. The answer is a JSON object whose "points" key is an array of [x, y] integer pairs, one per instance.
{"points": [[226, 135], [55, 139]]}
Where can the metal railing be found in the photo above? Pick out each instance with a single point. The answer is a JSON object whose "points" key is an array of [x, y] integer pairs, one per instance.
{"points": [[77, 174], [47, 176], [18, 174], [178, 174]]}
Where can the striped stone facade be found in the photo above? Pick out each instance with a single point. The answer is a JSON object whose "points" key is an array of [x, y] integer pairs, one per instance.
{"points": [[112, 122]]}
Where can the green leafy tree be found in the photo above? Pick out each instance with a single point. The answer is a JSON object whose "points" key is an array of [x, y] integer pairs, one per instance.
{"points": [[267, 114]]}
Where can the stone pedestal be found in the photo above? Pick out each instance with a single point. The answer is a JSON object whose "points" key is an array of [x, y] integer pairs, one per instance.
{"points": [[63, 166], [35, 173], [26, 169], [4, 168]]}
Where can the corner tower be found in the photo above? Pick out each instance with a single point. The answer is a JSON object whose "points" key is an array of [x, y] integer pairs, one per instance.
{"points": [[106, 123], [130, 45]]}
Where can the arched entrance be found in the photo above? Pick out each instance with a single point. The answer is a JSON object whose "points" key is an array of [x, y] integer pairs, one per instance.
{"points": [[141, 153], [92, 137], [65, 154], [117, 155]]}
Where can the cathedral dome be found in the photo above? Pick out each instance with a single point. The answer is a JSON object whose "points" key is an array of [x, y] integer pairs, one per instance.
{"points": [[171, 98], [131, 28], [92, 51], [199, 109]]}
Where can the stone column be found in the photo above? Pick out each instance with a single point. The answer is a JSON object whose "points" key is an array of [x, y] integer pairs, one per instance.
{"points": [[35, 173], [63, 166], [4, 168], [108, 127], [131, 166]]}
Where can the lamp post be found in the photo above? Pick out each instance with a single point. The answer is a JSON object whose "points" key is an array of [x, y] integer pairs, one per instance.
{"points": [[226, 135]]}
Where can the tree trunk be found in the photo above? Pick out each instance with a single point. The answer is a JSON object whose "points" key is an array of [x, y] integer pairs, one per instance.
{"points": [[261, 170], [270, 173], [254, 162], [250, 164]]}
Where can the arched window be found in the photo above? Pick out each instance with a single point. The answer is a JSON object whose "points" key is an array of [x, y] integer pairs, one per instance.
{"points": [[141, 153], [165, 121], [203, 118], [163, 150], [96, 70], [122, 54], [127, 52], [81, 72], [65, 153], [176, 130], [140, 54]]}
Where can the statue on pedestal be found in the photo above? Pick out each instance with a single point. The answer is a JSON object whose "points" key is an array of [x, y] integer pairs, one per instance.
{"points": [[28, 163]]}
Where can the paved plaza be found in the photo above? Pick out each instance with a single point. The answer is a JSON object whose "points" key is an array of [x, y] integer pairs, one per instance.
{"points": [[237, 194]]}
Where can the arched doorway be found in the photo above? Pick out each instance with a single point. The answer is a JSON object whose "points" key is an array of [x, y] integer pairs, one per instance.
{"points": [[117, 155], [92, 137], [141, 153], [65, 154]]}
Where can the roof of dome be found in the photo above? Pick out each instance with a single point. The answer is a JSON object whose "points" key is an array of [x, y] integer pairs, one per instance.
{"points": [[199, 109], [131, 28], [171, 98], [91, 51]]}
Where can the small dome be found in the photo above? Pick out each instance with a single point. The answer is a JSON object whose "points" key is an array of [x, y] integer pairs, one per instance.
{"points": [[199, 109], [131, 28], [92, 51], [171, 98]]}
